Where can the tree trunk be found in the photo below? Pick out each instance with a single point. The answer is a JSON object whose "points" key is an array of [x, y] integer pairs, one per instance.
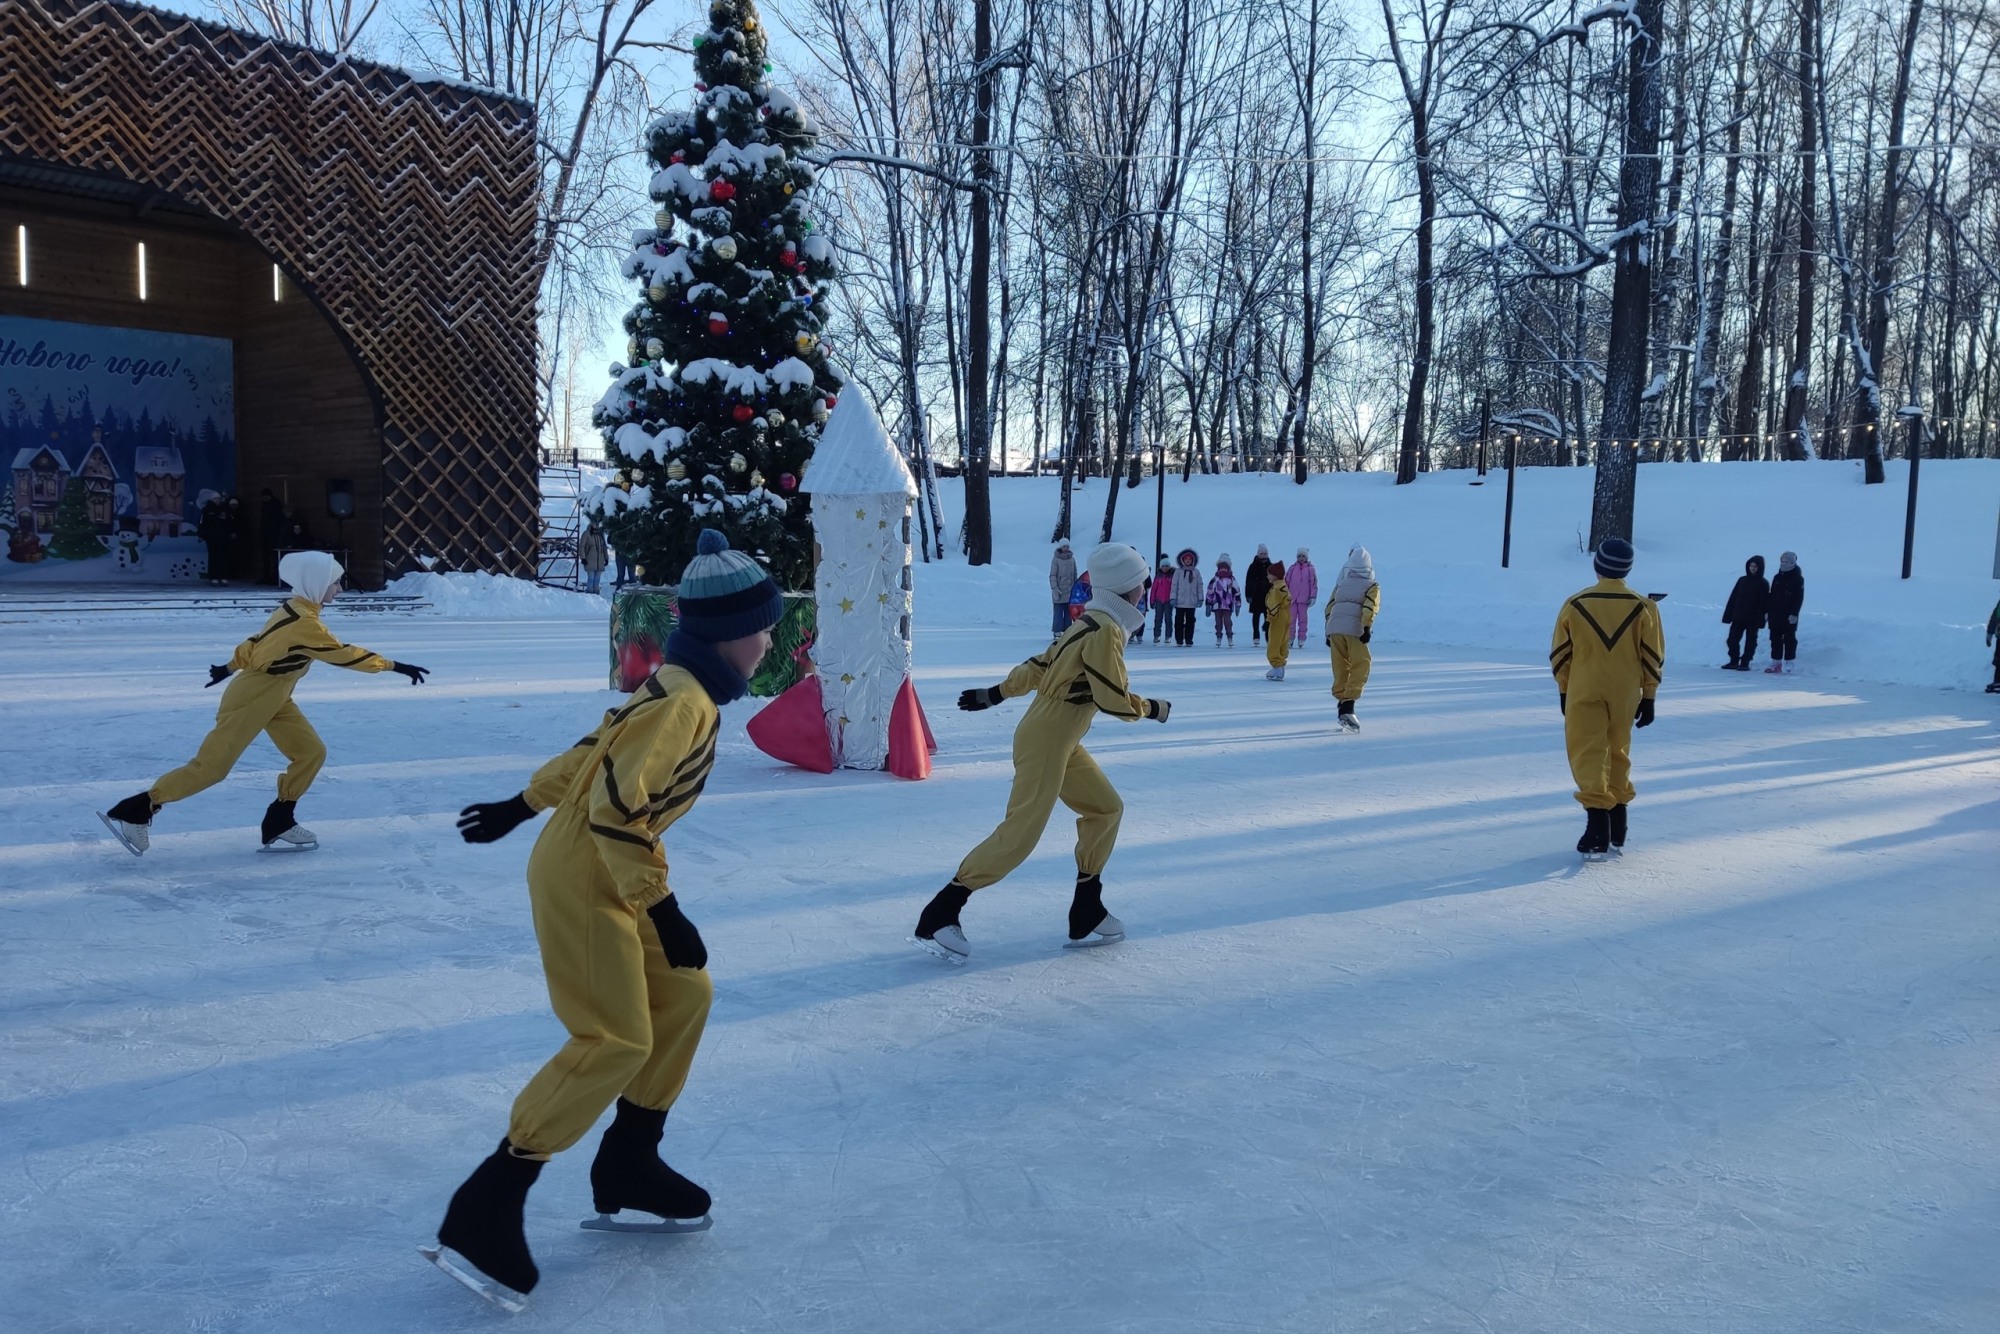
{"points": [[1625, 369], [1795, 386], [978, 347], [1875, 336]]}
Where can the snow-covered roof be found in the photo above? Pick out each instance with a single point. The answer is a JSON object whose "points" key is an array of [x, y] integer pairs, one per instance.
{"points": [[157, 461], [25, 458], [854, 456]]}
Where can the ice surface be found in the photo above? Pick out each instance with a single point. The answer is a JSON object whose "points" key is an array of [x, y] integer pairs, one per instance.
{"points": [[1376, 1054]]}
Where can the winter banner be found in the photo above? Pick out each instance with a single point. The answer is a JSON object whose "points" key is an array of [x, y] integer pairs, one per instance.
{"points": [[134, 428]]}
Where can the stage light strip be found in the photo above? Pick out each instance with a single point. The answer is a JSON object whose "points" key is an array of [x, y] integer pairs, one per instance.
{"points": [[142, 270], [21, 249], [276, 290]]}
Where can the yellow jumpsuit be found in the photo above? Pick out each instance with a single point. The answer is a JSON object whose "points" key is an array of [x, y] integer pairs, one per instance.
{"points": [[1607, 653], [1278, 614], [634, 1022], [267, 666], [1351, 658], [1081, 675]]}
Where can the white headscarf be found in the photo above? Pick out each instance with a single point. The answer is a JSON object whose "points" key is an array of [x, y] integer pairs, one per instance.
{"points": [[311, 574], [1359, 561]]}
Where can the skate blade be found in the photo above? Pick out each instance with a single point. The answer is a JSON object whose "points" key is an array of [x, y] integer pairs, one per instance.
{"points": [[1595, 856], [448, 1260], [931, 947], [606, 1223], [278, 847], [1092, 941], [119, 834]]}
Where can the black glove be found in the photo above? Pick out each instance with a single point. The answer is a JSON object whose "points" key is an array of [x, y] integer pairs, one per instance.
{"points": [[972, 701], [1562, 704], [491, 821], [678, 938], [1158, 709], [1644, 718], [411, 670], [1366, 631], [216, 675]]}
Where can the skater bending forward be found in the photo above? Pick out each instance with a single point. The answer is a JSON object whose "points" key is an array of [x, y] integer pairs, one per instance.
{"points": [[627, 972], [267, 666], [1606, 654], [1081, 675]]}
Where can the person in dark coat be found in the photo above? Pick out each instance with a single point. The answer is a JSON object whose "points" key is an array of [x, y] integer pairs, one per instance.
{"points": [[214, 532], [1788, 595], [1744, 614], [1256, 583]]}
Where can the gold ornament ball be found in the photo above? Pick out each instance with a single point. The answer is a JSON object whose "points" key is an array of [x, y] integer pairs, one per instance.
{"points": [[820, 414], [724, 247], [757, 479], [749, 25], [632, 349], [657, 292], [804, 342], [677, 471], [788, 187], [663, 219], [775, 417], [639, 570], [737, 463], [638, 477], [655, 348]]}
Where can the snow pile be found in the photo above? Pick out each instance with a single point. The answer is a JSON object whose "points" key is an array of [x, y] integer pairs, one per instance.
{"points": [[472, 596], [1437, 546]]}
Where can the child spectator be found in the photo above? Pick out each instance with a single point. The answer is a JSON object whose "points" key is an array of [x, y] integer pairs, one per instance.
{"points": [[1744, 614], [1303, 582], [1187, 596], [1788, 595], [1256, 583], [1163, 599], [1223, 600]]}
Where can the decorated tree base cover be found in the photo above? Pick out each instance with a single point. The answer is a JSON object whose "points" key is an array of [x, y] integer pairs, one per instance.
{"points": [[642, 618]]}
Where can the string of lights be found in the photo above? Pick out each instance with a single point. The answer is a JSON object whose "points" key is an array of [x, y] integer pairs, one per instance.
{"points": [[1844, 433]]}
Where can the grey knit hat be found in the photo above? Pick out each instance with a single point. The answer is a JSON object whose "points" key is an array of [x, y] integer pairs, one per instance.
{"points": [[1614, 558], [726, 595]]}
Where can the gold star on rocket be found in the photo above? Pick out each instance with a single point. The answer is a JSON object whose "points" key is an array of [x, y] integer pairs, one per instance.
{"points": [[847, 678], [882, 598], [861, 514], [846, 605]]}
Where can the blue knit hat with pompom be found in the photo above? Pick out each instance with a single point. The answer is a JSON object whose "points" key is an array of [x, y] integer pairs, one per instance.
{"points": [[726, 595]]}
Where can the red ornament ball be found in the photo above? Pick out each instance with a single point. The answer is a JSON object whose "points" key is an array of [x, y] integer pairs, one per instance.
{"points": [[832, 399], [718, 325], [743, 412], [787, 482], [678, 156], [721, 190]]}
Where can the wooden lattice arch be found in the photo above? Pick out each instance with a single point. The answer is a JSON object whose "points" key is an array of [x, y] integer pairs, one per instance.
{"points": [[404, 208]]}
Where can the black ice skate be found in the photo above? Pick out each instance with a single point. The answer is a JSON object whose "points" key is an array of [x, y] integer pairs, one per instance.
{"points": [[283, 832], [1595, 845], [1616, 830], [938, 931], [1089, 923], [628, 1174], [131, 822], [1348, 721], [483, 1242]]}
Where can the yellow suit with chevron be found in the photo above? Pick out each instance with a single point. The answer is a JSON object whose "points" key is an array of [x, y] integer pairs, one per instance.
{"points": [[634, 1022], [1081, 675], [267, 667], [1607, 653]]}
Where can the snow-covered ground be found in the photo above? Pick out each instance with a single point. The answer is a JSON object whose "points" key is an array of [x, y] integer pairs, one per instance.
{"points": [[1377, 1055]]}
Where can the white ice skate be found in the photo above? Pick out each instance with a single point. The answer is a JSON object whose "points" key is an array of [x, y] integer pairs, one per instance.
{"points": [[1109, 932], [948, 944], [1275, 674], [136, 837], [1349, 723], [296, 839], [451, 1262]]}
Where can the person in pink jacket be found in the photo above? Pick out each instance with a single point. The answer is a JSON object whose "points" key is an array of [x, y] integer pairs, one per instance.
{"points": [[1303, 581]]}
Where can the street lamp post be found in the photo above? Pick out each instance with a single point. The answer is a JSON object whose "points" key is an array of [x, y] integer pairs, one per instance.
{"points": [[1159, 457]]}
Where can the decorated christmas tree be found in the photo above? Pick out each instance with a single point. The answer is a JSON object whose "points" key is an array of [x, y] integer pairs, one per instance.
{"points": [[712, 422], [75, 537]]}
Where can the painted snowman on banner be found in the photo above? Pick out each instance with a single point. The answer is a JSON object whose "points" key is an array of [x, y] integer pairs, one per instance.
{"points": [[861, 688]]}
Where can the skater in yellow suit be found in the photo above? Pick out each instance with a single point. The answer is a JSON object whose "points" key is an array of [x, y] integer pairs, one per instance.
{"points": [[1607, 653], [1078, 677], [1350, 624], [627, 971], [267, 666], [1278, 614]]}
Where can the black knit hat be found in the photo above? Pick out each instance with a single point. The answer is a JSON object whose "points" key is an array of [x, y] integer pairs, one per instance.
{"points": [[1614, 558]]}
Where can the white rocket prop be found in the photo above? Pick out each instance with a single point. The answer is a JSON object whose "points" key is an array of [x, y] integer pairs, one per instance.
{"points": [[861, 518]]}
